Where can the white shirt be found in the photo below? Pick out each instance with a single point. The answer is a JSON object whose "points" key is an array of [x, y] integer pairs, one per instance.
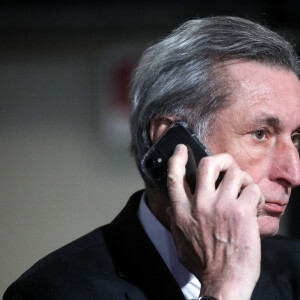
{"points": [[164, 244]]}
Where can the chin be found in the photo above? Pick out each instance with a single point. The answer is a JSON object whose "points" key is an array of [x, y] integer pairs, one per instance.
{"points": [[268, 225]]}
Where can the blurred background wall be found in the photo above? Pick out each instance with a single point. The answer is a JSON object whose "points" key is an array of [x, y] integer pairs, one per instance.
{"points": [[65, 166]]}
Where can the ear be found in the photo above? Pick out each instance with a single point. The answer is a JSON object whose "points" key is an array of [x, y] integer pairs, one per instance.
{"points": [[159, 125]]}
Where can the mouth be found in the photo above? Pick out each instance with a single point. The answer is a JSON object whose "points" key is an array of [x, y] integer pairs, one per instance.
{"points": [[275, 207]]}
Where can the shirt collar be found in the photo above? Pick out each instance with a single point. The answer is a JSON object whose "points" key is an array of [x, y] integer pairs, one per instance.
{"points": [[162, 240]]}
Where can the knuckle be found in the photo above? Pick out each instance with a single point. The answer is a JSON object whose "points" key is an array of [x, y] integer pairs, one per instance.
{"points": [[206, 162], [248, 177], [240, 212], [171, 179], [206, 165], [227, 157], [222, 209], [200, 208], [175, 172], [239, 175], [254, 190], [235, 172], [201, 212]]}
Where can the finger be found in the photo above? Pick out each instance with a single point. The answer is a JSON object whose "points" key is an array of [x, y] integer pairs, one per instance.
{"points": [[234, 180], [260, 205], [176, 176], [253, 196], [209, 170]]}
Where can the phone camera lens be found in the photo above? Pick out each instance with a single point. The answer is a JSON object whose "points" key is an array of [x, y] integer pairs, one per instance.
{"points": [[149, 163], [158, 173]]}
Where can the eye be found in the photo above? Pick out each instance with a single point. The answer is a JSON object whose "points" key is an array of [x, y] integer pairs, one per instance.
{"points": [[259, 134], [296, 139]]}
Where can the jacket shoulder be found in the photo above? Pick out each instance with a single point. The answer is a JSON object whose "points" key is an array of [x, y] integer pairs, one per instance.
{"points": [[85, 252], [81, 269]]}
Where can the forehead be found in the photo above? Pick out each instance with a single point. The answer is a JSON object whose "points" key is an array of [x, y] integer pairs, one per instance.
{"points": [[258, 89]]}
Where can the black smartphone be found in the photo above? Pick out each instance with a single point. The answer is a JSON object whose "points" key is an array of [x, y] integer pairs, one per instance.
{"points": [[154, 163]]}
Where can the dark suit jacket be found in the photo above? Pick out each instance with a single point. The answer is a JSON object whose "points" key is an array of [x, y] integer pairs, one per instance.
{"points": [[118, 261]]}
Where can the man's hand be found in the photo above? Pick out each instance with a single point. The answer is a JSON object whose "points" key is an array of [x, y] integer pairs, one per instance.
{"points": [[216, 230]]}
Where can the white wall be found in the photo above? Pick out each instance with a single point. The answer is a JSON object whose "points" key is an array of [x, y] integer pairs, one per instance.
{"points": [[58, 179]]}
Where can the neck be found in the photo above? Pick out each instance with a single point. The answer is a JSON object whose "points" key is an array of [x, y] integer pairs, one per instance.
{"points": [[158, 204]]}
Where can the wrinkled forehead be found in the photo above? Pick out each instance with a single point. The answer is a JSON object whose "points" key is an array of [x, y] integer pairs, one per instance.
{"points": [[262, 92], [259, 79]]}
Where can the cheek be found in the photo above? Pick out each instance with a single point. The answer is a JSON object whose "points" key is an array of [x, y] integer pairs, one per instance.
{"points": [[258, 169], [253, 161]]}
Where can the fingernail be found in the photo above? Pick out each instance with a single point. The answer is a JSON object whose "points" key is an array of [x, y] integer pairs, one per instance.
{"points": [[178, 148]]}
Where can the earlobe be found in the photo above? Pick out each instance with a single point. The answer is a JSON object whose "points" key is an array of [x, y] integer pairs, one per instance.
{"points": [[159, 125]]}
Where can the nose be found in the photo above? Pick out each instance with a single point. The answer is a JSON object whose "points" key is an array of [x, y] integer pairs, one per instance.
{"points": [[286, 165]]}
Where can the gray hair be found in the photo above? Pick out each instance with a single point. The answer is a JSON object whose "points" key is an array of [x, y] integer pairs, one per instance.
{"points": [[182, 74]]}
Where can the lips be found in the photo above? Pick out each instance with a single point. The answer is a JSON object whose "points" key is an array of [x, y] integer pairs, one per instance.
{"points": [[275, 207]]}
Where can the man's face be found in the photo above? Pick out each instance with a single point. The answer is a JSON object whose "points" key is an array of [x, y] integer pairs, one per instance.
{"points": [[261, 130]]}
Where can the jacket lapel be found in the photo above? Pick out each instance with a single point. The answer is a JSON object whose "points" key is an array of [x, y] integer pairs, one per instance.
{"points": [[135, 256], [139, 263]]}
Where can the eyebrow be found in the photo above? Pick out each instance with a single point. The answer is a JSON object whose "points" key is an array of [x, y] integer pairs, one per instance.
{"points": [[271, 121], [267, 118]]}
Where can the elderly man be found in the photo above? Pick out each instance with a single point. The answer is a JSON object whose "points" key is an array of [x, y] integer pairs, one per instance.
{"points": [[236, 84]]}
